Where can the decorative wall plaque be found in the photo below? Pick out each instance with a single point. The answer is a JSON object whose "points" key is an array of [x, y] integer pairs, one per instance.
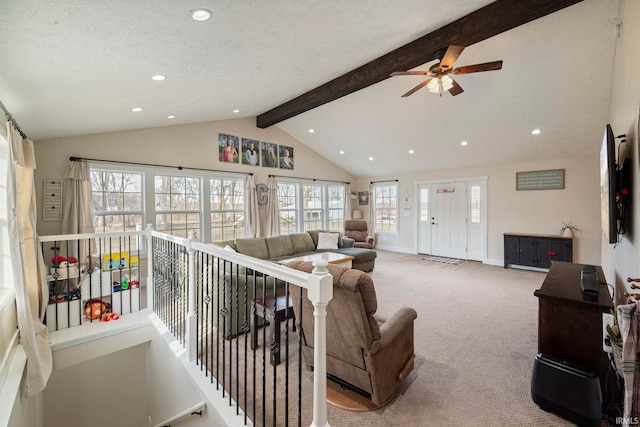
{"points": [[540, 180], [52, 194]]}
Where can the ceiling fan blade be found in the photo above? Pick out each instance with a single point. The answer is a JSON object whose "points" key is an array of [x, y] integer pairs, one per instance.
{"points": [[420, 86], [409, 73], [487, 66], [456, 89], [450, 56]]}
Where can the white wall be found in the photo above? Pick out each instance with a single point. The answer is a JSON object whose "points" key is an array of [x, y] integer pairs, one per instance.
{"points": [[170, 389], [623, 261], [106, 391], [508, 210], [194, 145], [27, 412]]}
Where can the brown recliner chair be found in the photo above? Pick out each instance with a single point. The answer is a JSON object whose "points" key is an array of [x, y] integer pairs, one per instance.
{"points": [[364, 350], [356, 229]]}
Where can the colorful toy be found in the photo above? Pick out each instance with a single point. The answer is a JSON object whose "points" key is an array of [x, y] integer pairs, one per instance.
{"points": [[110, 316], [95, 308], [58, 259], [134, 282], [115, 261]]}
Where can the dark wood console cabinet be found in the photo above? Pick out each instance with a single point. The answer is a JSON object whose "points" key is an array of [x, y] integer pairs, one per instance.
{"points": [[570, 324], [536, 250]]}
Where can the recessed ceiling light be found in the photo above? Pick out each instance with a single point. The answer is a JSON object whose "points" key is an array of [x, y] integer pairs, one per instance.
{"points": [[200, 14], [371, 158], [411, 151], [464, 143], [311, 131], [136, 109], [158, 77], [171, 117], [236, 111], [536, 131], [341, 151]]}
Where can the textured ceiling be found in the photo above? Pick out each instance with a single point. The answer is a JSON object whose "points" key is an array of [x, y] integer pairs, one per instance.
{"points": [[78, 67]]}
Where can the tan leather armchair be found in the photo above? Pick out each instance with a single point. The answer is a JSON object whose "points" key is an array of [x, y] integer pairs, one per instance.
{"points": [[365, 350], [356, 229]]}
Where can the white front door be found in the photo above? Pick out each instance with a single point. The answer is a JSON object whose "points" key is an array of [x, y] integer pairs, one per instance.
{"points": [[449, 207]]}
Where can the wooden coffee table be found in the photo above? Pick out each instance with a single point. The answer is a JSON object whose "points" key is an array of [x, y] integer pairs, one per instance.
{"points": [[331, 257]]}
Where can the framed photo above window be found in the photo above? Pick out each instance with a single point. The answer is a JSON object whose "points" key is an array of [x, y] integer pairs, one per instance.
{"points": [[229, 148], [250, 152]]}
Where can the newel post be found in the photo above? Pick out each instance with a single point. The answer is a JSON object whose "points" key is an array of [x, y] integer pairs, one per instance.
{"points": [[320, 292], [191, 314], [150, 284]]}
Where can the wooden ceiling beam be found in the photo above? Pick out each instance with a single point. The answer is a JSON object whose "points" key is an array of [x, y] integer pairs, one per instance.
{"points": [[491, 20]]}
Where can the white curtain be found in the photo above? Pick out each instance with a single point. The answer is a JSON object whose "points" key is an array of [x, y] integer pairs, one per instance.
{"points": [[27, 263], [77, 216], [273, 210], [347, 201], [252, 220]]}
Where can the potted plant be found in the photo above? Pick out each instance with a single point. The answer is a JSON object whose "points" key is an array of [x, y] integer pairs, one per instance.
{"points": [[569, 229]]}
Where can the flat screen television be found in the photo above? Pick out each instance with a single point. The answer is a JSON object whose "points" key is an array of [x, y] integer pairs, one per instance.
{"points": [[608, 209]]}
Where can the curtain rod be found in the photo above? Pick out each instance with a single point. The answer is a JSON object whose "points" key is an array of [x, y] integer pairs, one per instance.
{"points": [[9, 117], [386, 180], [309, 179], [78, 159]]}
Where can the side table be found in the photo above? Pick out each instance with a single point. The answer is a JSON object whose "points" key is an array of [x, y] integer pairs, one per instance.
{"points": [[274, 311]]}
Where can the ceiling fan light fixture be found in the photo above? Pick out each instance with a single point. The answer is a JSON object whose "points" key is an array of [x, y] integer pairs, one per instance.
{"points": [[447, 83], [434, 85]]}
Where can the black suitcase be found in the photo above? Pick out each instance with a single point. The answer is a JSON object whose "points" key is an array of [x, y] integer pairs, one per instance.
{"points": [[566, 389]]}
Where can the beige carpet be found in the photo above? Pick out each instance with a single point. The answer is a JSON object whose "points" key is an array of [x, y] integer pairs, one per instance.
{"points": [[475, 342]]}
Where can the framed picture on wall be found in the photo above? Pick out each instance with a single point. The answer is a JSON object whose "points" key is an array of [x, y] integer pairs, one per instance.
{"points": [[363, 197], [250, 152], [228, 146], [269, 153], [286, 157]]}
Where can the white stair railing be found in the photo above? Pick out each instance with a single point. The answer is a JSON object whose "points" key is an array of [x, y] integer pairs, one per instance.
{"points": [[319, 285], [92, 260], [193, 410]]}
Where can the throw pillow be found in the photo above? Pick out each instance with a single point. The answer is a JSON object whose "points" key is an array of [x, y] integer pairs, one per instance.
{"points": [[229, 248], [328, 240]]}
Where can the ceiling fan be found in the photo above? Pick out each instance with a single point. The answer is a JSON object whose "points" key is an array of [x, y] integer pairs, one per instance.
{"points": [[439, 74]]}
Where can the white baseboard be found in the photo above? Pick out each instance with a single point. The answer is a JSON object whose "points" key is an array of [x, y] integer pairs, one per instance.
{"points": [[395, 249], [495, 261]]}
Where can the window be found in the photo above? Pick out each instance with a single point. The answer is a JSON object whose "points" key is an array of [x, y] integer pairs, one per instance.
{"points": [[321, 206], [475, 204], [117, 200], [424, 204], [312, 209], [385, 207], [287, 202], [336, 207], [227, 209], [177, 204], [174, 204]]}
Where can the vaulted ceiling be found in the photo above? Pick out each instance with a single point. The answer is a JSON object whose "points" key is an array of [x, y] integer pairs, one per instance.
{"points": [[72, 68]]}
